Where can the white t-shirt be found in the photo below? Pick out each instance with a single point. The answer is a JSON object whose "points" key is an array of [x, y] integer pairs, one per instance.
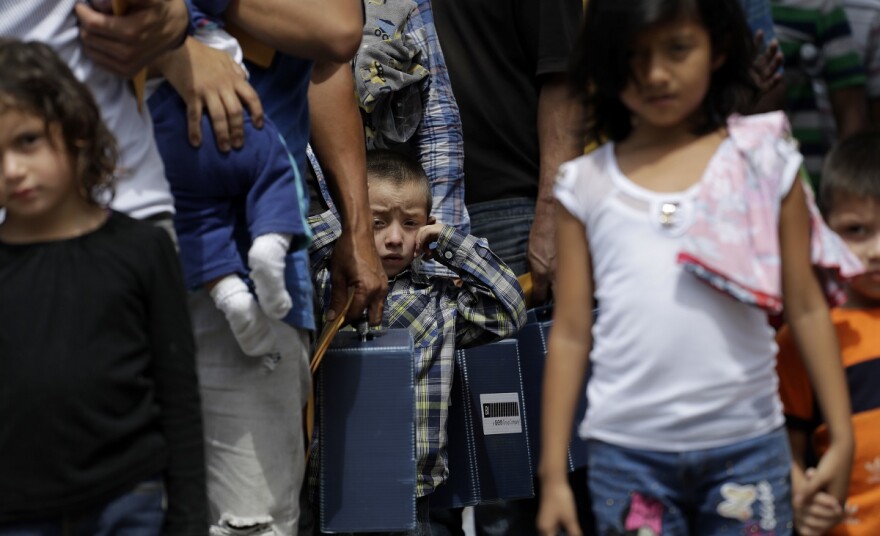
{"points": [[676, 364], [142, 190]]}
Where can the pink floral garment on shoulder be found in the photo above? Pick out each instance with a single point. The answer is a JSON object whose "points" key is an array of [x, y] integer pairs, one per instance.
{"points": [[733, 243]]}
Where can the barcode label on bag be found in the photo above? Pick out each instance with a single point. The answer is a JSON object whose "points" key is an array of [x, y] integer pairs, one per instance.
{"points": [[501, 413]]}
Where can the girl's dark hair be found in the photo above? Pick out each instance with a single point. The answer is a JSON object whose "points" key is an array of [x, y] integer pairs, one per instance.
{"points": [[600, 64], [33, 79], [852, 168], [398, 169]]}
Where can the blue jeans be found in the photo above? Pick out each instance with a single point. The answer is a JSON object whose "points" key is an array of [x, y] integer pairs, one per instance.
{"points": [[742, 488], [505, 224], [140, 512]]}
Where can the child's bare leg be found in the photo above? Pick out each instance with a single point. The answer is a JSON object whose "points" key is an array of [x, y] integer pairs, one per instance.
{"points": [[249, 323], [266, 259]]}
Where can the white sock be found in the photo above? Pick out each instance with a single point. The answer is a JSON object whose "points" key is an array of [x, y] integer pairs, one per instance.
{"points": [[266, 259], [249, 324]]}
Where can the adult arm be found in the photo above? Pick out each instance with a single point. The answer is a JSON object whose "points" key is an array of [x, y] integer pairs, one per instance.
{"points": [[338, 142], [326, 30], [124, 44], [850, 109], [439, 137], [843, 71], [807, 315], [559, 139], [566, 367], [767, 74]]}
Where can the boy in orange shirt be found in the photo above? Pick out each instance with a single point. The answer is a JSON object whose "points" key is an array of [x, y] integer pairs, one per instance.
{"points": [[849, 199]]}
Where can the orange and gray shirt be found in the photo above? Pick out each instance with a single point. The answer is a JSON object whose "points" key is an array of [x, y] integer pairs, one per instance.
{"points": [[858, 332]]}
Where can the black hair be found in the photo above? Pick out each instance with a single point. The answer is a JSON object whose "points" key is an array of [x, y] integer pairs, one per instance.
{"points": [[852, 167], [601, 68], [34, 80], [398, 169]]}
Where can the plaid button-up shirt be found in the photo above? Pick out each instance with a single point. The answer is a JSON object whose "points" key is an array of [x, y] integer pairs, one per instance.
{"points": [[441, 314]]}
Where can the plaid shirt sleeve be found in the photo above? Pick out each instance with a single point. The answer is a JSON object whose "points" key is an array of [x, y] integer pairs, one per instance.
{"points": [[439, 139], [490, 301], [326, 229]]}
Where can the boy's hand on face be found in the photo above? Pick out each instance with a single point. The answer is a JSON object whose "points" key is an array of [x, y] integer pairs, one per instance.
{"points": [[426, 235]]}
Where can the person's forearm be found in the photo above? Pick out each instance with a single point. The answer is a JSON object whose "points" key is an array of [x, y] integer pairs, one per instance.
{"points": [[772, 100], [850, 107], [559, 122], [560, 136], [338, 142], [324, 30]]}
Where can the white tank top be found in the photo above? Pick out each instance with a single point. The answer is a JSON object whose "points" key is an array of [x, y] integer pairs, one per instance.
{"points": [[676, 364]]}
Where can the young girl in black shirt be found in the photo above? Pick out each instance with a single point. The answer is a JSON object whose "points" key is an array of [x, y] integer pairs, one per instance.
{"points": [[101, 426]]}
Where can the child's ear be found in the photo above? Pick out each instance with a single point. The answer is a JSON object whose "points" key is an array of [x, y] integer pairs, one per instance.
{"points": [[432, 220], [718, 60]]}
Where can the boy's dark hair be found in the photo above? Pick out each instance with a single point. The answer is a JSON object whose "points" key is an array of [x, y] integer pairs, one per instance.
{"points": [[33, 79], [398, 169], [851, 168], [600, 63]]}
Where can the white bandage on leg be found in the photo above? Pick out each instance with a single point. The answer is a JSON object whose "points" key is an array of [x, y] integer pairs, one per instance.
{"points": [[249, 323], [266, 259]]}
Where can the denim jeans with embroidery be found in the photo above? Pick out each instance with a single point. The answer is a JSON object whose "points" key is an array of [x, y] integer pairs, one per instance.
{"points": [[742, 488]]}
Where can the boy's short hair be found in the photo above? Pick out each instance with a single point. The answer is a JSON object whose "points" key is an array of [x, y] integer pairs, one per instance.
{"points": [[851, 168], [398, 169]]}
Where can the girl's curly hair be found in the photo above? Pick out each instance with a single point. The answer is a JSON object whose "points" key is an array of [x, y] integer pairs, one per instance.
{"points": [[33, 79]]}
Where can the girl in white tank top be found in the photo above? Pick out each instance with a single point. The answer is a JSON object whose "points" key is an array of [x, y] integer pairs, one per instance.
{"points": [[687, 227]]}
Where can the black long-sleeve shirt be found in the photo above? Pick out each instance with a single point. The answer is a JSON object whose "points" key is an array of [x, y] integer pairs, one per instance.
{"points": [[98, 387]]}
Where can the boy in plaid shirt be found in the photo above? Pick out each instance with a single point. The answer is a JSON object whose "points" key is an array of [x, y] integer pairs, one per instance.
{"points": [[484, 304]]}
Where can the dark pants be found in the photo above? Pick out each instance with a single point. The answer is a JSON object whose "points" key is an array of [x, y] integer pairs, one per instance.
{"points": [[310, 515], [514, 518], [505, 224], [139, 512]]}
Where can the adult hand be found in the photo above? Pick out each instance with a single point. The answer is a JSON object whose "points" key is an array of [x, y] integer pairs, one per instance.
{"points": [[765, 68], [209, 78], [355, 264], [542, 253], [123, 44]]}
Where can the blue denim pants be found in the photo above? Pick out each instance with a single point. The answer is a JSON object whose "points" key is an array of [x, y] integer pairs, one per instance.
{"points": [[140, 512], [506, 224], [742, 488]]}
